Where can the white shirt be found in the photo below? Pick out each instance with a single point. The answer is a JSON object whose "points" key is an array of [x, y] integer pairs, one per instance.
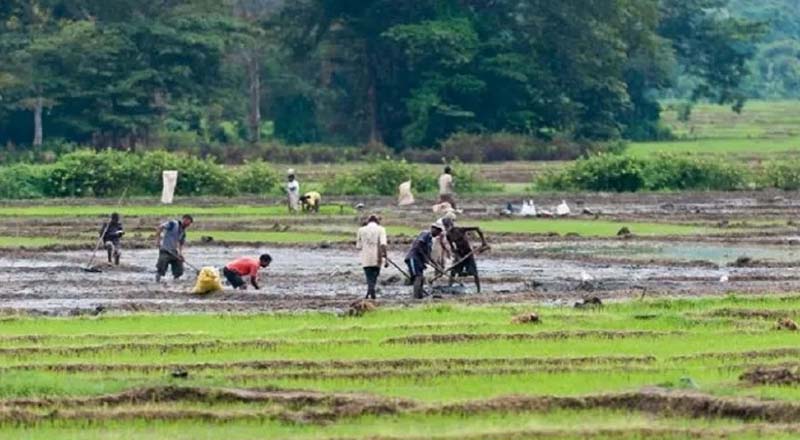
{"points": [[293, 187], [369, 240], [445, 184]]}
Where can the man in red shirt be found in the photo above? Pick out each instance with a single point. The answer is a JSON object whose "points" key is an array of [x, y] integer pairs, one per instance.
{"points": [[245, 267]]}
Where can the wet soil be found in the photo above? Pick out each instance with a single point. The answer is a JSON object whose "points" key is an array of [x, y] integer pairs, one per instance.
{"points": [[546, 269]]}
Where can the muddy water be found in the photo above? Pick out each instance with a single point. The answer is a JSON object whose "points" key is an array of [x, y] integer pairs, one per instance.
{"points": [[300, 279], [720, 254]]}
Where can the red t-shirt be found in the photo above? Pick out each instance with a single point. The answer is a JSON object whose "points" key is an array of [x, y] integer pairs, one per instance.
{"points": [[245, 266]]}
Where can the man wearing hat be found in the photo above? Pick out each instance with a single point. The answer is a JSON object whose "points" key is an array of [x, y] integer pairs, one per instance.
{"points": [[419, 256], [293, 192], [371, 241]]}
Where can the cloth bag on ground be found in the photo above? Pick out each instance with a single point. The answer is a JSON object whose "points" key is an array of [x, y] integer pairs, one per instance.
{"points": [[208, 281], [406, 197], [170, 179]]}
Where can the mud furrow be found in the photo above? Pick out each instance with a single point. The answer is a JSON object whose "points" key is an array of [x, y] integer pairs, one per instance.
{"points": [[655, 401], [728, 355], [173, 347], [760, 429], [431, 373], [471, 337], [401, 363], [312, 406]]}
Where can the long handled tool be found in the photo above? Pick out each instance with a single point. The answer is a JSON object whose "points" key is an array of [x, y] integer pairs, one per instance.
{"points": [[457, 263], [183, 260], [93, 269], [405, 274]]}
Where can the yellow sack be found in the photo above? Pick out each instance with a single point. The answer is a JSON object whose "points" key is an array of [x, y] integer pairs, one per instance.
{"points": [[208, 281]]}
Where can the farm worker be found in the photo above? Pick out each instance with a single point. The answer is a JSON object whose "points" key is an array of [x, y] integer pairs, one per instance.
{"points": [[293, 192], [245, 267], [446, 183], [171, 238], [371, 241], [112, 233], [311, 201], [463, 254], [420, 255]]}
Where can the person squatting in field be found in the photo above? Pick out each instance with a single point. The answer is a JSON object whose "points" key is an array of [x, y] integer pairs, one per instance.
{"points": [[463, 253], [419, 256], [311, 201], [371, 241], [171, 237], [111, 233], [236, 270]]}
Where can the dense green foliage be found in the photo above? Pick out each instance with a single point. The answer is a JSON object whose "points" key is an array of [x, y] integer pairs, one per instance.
{"points": [[776, 67], [87, 173], [142, 73], [624, 173], [384, 176]]}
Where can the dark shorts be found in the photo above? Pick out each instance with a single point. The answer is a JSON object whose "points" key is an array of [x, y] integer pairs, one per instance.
{"points": [[415, 267], [168, 259], [234, 278], [467, 267]]}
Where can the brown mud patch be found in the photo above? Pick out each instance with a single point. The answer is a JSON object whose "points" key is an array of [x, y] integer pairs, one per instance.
{"points": [[760, 429], [733, 355], [771, 376], [194, 347], [429, 373], [316, 407], [402, 363], [655, 401], [472, 337], [751, 313]]}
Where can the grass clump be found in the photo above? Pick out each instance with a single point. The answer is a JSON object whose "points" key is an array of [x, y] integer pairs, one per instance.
{"points": [[626, 173]]}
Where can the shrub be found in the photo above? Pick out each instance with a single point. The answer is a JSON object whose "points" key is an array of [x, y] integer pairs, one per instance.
{"points": [[381, 177], [257, 177], [22, 181], [671, 171], [603, 172], [783, 174], [86, 173], [606, 172]]}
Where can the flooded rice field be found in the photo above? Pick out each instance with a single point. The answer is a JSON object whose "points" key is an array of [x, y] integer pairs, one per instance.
{"points": [[748, 243]]}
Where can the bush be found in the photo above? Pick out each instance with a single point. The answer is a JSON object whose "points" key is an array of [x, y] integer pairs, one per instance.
{"points": [[671, 171], [86, 173], [23, 181], [257, 178], [381, 177], [783, 174], [603, 172], [620, 173]]}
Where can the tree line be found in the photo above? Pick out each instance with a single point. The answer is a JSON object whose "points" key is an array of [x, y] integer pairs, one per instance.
{"points": [[131, 73]]}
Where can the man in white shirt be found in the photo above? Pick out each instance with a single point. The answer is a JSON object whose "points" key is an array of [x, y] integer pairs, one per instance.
{"points": [[371, 241], [446, 183], [293, 192]]}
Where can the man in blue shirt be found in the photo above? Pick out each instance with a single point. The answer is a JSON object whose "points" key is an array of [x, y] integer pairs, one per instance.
{"points": [[419, 256], [171, 238]]}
